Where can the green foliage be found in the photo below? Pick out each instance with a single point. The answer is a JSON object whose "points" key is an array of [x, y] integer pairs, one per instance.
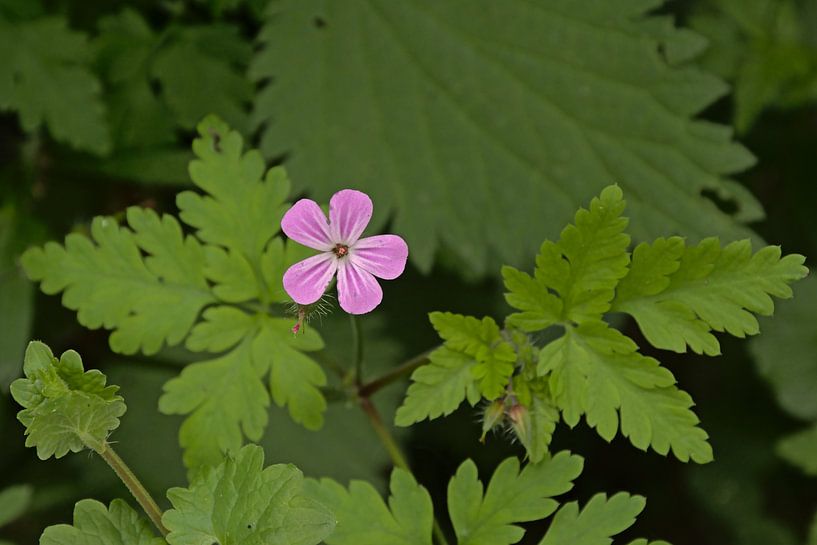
{"points": [[678, 295], [14, 501], [364, 519], [213, 290], [425, 80], [479, 515], [800, 449], [241, 502], [512, 497], [764, 48], [65, 408], [46, 79], [96, 525], [600, 519]]}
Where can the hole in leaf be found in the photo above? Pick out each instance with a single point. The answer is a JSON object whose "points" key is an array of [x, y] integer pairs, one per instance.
{"points": [[319, 22]]}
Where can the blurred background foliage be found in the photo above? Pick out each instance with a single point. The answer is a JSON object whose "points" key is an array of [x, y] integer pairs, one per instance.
{"points": [[478, 127]]}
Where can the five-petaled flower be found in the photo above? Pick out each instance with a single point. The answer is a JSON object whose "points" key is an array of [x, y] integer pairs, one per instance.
{"points": [[356, 260]]}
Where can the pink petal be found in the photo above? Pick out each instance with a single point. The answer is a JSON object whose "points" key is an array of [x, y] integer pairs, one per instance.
{"points": [[384, 256], [306, 280], [358, 290], [306, 224], [349, 214]]}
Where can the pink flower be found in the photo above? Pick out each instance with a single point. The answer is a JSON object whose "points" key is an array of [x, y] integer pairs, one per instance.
{"points": [[356, 260]]}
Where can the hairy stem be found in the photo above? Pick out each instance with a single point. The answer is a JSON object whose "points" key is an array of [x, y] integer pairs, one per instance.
{"points": [[405, 368], [136, 488], [357, 340]]}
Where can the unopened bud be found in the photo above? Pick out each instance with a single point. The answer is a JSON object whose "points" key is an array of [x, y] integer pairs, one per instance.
{"points": [[492, 416], [519, 417]]}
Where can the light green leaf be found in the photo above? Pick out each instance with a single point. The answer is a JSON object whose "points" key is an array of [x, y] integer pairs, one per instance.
{"points": [[242, 211], [240, 502], [712, 288], [792, 331], [597, 371], [481, 340], [225, 397], [147, 301], [596, 523], [64, 407], [439, 387], [14, 501], [535, 427], [583, 268], [365, 519], [235, 280], [800, 449], [275, 260], [295, 378], [119, 524], [421, 76], [45, 77], [511, 497]]}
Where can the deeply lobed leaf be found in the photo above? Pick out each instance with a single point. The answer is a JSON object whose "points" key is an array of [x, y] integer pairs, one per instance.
{"points": [[65, 408], [600, 519], [93, 524]]}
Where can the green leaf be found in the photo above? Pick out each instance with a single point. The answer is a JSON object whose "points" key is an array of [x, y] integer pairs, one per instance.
{"points": [[45, 77], [712, 288], [16, 302], [762, 47], [439, 387], [421, 76], [119, 524], [201, 71], [240, 502], [535, 427], [242, 211], [583, 268], [64, 407], [147, 301], [225, 397], [792, 331], [800, 449], [365, 519], [481, 340], [600, 519], [812, 533], [511, 497], [14, 501], [596, 371]]}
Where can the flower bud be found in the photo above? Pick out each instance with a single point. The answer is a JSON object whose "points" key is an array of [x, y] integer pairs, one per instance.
{"points": [[493, 415]]}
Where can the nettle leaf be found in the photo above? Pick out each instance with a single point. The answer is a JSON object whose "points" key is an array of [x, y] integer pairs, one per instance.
{"points": [[45, 77], [240, 502], [419, 74], [702, 288], [793, 332], [597, 523], [93, 524], [147, 301], [65, 408], [583, 268], [14, 501], [596, 371], [763, 48], [439, 387], [365, 519], [480, 516], [481, 340], [225, 397], [512, 497]]}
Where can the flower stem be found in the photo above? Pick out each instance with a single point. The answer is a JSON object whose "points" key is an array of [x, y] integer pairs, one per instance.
{"points": [[395, 374], [136, 488], [357, 339]]}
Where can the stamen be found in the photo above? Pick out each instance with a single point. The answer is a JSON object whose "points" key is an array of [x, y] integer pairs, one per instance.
{"points": [[340, 250]]}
